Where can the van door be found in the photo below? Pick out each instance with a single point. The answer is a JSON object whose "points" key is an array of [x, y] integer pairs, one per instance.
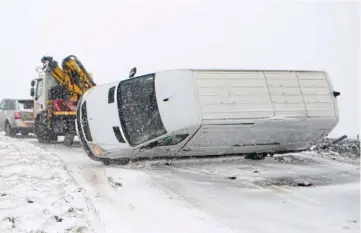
{"points": [[166, 146]]}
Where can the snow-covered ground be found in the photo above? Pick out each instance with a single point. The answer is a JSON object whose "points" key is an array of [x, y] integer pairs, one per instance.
{"points": [[52, 188], [37, 194]]}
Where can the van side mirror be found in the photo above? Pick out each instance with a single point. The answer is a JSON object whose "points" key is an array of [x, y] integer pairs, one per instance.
{"points": [[32, 83], [132, 72], [336, 93], [32, 92]]}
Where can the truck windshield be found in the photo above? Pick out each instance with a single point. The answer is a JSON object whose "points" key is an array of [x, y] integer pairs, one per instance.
{"points": [[138, 110]]}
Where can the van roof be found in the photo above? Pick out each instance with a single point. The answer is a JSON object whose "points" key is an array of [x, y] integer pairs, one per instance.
{"points": [[245, 70]]}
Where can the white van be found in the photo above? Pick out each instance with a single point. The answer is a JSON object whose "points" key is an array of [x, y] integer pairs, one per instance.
{"points": [[206, 112]]}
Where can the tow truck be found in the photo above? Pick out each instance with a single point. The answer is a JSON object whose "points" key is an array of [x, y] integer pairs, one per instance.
{"points": [[56, 92]]}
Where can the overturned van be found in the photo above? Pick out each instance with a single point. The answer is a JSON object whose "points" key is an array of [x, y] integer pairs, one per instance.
{"points": [[206, 112]]}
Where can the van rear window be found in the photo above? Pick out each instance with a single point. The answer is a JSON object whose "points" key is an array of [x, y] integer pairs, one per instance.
{"points": [[25, 104]]}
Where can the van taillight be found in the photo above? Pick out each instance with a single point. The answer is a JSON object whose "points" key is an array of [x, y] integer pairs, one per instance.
{"points": [[17, 115]]}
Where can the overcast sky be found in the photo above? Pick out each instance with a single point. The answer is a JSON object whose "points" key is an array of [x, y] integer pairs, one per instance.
{"points": [[111, 37]]}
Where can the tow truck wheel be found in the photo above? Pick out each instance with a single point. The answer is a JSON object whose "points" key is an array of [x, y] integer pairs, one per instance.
{"points": [[69, 140], [42, 133]]}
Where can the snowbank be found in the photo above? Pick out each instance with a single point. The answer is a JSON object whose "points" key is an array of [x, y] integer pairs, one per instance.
{"points": [[36, 192], [345, 147]]}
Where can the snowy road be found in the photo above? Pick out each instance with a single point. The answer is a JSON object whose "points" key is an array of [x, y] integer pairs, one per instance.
{"points": [[194, 196]]}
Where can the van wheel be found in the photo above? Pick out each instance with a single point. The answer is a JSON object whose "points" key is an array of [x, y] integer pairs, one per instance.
{"points": [[107, 162], [8, 130], [256, 156], [25, 133]]}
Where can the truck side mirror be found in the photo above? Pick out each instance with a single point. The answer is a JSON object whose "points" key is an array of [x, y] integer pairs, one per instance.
{"points": [[132, 72], [32, 92], [33, 83]]}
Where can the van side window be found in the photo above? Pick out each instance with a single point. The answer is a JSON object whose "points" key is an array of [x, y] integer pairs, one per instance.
{"points": [[9, 105], [2, 105]]}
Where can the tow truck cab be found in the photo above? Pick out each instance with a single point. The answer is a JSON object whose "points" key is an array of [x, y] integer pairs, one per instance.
{"points": [[54, 112]]}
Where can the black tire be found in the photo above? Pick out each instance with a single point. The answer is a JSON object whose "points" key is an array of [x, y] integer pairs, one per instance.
{"points": [[107, 162], [69, 140], [256, 156], [122, 161], [8, 130], [53, 137], [43, 134], [25, 133]]}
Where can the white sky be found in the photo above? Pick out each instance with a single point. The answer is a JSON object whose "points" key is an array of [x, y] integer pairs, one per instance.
{"points": [[111, 37]]}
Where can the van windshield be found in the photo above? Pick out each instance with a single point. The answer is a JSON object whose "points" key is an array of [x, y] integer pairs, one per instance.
{"points": [[138, 110]]}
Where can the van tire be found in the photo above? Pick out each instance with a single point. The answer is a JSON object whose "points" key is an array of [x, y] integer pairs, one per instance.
{"points": [[106, 162], [8, 130], [25, 133], [123, 161], [256, 156]]}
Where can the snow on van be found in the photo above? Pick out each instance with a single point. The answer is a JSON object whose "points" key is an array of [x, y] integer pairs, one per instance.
{"points": [[207, 112]]}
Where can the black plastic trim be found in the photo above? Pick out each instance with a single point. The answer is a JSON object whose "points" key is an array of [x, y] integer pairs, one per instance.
{"points": [[85, 123], [84, 143], [111, 95], [118, 134]]}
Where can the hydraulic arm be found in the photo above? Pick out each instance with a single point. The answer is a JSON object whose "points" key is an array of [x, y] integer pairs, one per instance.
{"points": [[73, 76]]}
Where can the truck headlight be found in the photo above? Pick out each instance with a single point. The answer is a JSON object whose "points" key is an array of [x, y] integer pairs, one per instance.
{"points": [[97, 150]]}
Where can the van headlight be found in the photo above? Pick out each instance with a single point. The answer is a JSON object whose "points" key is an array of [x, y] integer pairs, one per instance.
{"points": [[97, 150]]}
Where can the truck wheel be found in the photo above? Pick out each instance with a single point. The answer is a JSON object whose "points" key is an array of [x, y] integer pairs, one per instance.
{"points": [[8, 130], [69, 140], [41, 131], [53, 137]]}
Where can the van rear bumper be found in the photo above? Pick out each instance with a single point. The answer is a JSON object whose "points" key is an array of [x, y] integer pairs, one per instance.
{"points": [[20, 124]]}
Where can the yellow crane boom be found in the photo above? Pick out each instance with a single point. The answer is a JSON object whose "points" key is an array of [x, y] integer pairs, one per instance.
{"points": [[73, 76]]}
